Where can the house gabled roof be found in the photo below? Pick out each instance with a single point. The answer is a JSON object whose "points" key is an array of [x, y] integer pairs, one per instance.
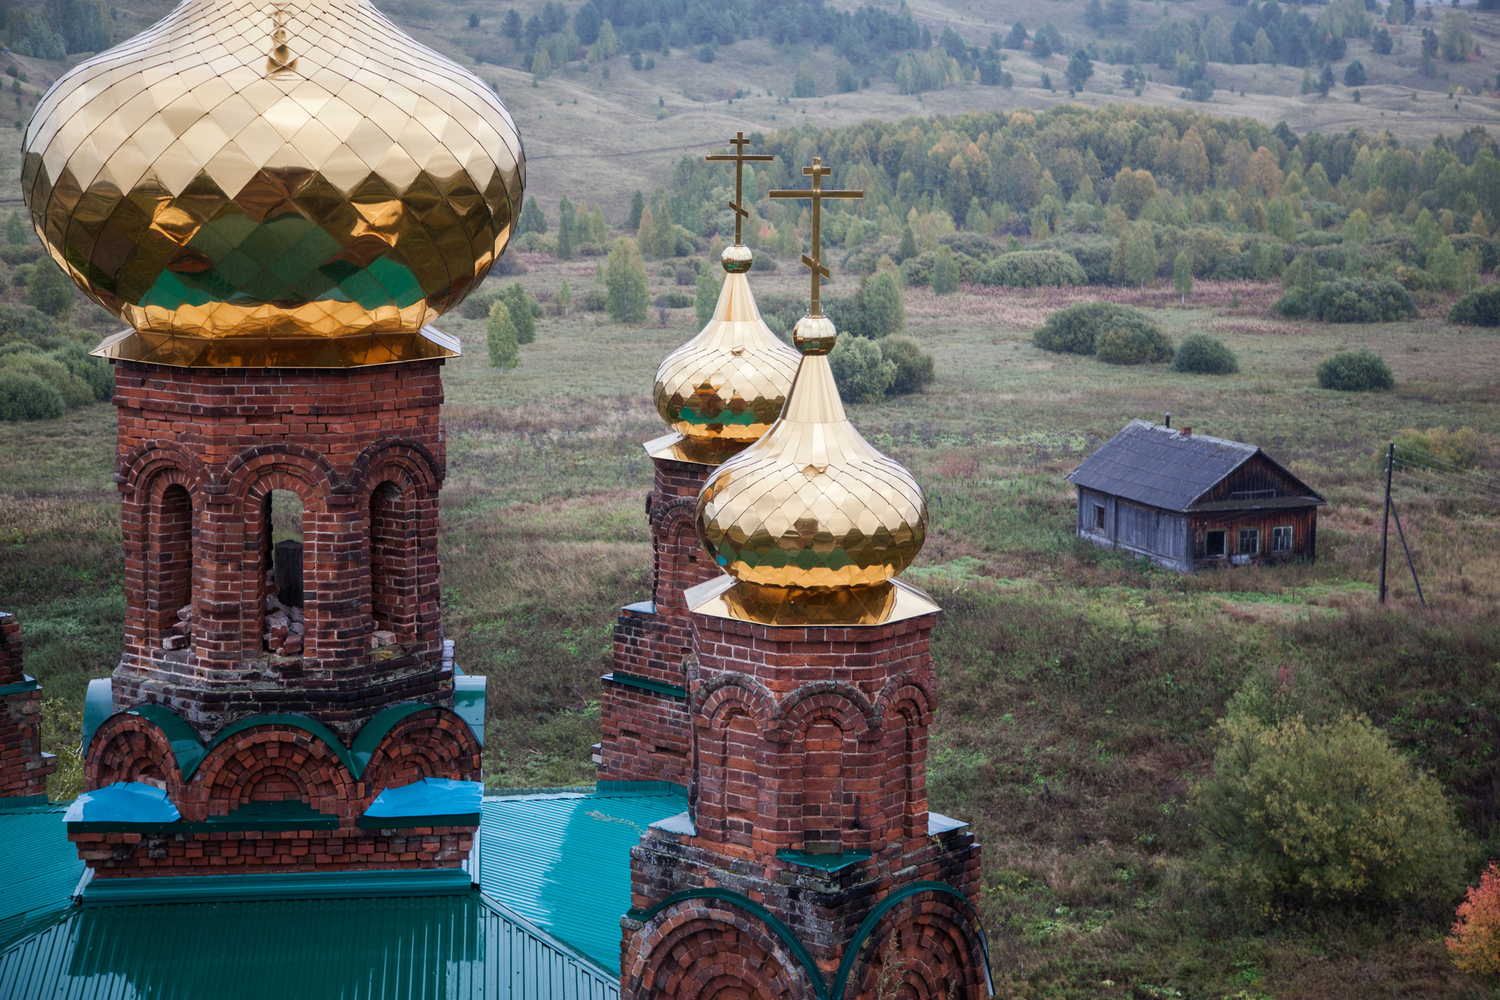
{"points": [[1160, 467]]}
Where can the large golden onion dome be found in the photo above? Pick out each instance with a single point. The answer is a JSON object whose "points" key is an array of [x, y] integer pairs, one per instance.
{"points": [[811, 522], [282, 185], [724, 388]]}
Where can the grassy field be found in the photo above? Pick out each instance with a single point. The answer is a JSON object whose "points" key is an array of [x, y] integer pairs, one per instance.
{"points": [[1079, 689]]}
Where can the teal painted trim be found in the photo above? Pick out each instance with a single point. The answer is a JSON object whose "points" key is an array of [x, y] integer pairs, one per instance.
{"points": [[766, 917], [374, 731], [29, 684], [290, 885], [98, 705], [638, 788], [867, 927], [186, 746], [646, 684], [469, 700], [25, 803], [823, 862], [305, 723]]}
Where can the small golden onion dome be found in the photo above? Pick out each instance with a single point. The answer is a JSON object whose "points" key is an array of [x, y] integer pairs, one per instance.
{"points": [[724, 388], [812, 508], [287, 185]]}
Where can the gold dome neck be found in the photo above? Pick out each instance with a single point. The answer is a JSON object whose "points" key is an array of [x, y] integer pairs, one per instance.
{"points": [[724, 388], [297, 183], [812, 507]]}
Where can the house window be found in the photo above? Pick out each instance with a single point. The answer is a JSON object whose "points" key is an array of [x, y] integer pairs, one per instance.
{"points": [[1281, 538], [1249, 541], [1214, 546], [1099, 517]]}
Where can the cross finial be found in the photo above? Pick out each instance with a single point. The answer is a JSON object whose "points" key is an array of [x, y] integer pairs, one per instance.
{"points": [[739, 158], [817, 172]]}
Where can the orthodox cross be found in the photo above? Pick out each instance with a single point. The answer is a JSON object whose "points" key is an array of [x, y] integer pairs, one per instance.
{"points": [[739, 157], [817, 172]]}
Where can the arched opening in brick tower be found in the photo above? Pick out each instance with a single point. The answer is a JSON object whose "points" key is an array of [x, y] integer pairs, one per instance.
{"points": [[283, 622], [823, 789], [171, 568], [393, 599]]}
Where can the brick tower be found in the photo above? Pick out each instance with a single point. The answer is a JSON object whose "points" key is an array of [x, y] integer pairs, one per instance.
{"points": [[23, 766], [809, 865], [293, 198], [719, 393]]}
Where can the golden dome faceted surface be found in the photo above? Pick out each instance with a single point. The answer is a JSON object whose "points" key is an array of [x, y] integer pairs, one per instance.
{"points": [[812, 507], [287, 185], [724, 388]]}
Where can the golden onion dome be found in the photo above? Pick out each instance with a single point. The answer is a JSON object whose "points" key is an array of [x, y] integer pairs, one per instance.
{"points": [[724, 388], [287, 185], [811, 520]]}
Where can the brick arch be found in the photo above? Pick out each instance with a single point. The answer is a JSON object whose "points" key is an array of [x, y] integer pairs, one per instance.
{"points": [[377, 462], [708, 949], [708, 697], [680, 561], [270, 762], [432, 743], [140, 464], [727, 800], [927, 947], [304, 464], [129, 747], [842, 704], [906, 690]]}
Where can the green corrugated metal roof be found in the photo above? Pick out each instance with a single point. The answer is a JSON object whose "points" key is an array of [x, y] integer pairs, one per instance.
{"points": [[417, 948], [44, 867], [563, 861]]}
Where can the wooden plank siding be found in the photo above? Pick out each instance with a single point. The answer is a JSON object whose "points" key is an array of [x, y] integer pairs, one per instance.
{"points": [[1159, 535], [1258, 477], [1302, 520]]}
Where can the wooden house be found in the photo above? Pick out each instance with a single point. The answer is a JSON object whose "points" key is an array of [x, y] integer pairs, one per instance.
{"points": [[1187, 501]]}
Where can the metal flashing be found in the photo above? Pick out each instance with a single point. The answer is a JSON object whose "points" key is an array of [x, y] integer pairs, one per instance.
{"points": [[28, 684], [469, 699], [680, 824], [428, 802], [122, 805], [646, 684], [823, 862], [285, 885], [98, 705], [374, 731], [938, 824]]}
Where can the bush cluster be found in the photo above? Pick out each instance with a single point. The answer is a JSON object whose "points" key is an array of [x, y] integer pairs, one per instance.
{"points": [[1126, 345], [522, 308], [1031, 269], [1480, 307], [39, 385], [1474, 942], [866, 371], [1349, 301], [1077, 330], [1297, 817], [1355, 371], [1200, 354]]}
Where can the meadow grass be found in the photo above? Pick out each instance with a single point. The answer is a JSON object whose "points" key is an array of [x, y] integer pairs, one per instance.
{"points": [[1079, 688]]}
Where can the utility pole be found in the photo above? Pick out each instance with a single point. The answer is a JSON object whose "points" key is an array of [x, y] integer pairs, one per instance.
{"points": [[1385, 519]]}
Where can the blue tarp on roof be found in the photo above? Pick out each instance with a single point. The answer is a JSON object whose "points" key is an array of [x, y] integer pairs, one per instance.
{"points": [[563, 860]]}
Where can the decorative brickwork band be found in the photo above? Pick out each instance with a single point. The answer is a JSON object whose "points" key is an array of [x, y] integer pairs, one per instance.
{"points": [[23, 766]]}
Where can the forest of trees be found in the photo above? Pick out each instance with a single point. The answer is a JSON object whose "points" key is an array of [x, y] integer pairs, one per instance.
{"points": [[63, 26], [1245, 200]]}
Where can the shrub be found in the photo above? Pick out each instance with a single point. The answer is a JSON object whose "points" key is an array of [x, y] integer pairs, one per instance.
{"points": [[500, 337], [1125, 345], [24, 396], [1480, 307], [862, 375], [50, 290], [914, 370], [1349, 301], [1355, 371], [1075, 330], [1031, 269], [592, 299], [477, 305], [1300, 817], [524, 309], [1458, 448], [875, 310], [1200, 354], [1474, 942]]}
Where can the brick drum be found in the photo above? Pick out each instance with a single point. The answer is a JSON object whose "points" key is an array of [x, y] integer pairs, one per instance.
{"points": [[811, 741], [23, 766], [200, 451], [647, 735]]}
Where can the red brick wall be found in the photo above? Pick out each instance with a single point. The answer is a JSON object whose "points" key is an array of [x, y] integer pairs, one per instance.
{"points": [[363, 449], [144, 855], [647, 736], [23, 769]]}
